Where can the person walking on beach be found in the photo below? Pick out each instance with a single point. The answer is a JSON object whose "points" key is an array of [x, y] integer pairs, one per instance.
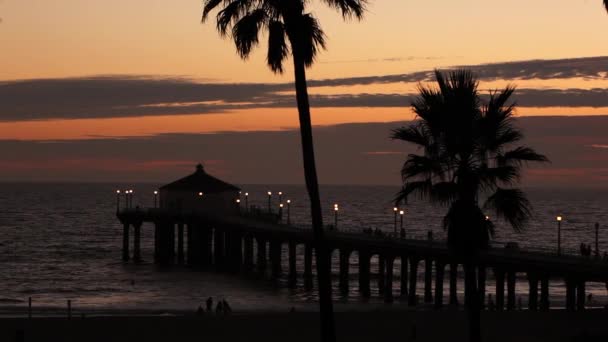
{"points": [[219, 309], [209, 304]]}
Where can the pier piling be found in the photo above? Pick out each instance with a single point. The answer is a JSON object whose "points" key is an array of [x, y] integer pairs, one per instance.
{"points": [[453, 301], [293, 272], [344, 270], [308, 266], [403, 274], [388, 291], [125, 242], [412, 300], [364, 265], [439, 275], [428, 280]]}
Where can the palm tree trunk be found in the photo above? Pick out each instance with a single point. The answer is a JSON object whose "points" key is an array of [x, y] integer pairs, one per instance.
{"points": [[472, 305], [328, 333]]}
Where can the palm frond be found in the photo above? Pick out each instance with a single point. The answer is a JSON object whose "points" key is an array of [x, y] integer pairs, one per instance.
{"points": [[349, 8], [444, 193], [413, 134], [277, 46], [520, 155], [606, 5], [510, 205], [231, 13], [246, 32], [421, 166], [421, 189], [492, 177], [310, 38], [208, 6]]}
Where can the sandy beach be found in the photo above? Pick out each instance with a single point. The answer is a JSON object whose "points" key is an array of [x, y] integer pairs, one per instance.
{"points": [[524, 326]]}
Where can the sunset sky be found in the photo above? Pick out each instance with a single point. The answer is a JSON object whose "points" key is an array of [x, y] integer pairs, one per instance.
{"points": [[139, 90]]}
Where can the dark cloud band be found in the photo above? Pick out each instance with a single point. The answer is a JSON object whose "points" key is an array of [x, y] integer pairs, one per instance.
{"points": [[123, 96]]}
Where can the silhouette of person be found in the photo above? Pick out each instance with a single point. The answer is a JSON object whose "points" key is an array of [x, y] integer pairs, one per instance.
{"points": [[209, 303], [491, 305], [219, 308], [200, 311], [227, 308], [582, 248]]}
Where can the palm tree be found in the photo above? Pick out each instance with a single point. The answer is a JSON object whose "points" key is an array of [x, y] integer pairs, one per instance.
{"points": [[290, 29], [468, 156]]}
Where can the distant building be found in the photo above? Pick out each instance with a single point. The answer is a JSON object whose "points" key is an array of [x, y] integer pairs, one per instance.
{"points": [[199, 193]]}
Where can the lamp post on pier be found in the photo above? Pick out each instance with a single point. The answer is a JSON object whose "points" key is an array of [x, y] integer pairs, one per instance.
{"points": [[269, 201], [559, 235], [336, 216], [288, 213], [117, 201], [155, 198], [401, 231], [395, 210], [281, 211], [280, 197], [247, 202]]}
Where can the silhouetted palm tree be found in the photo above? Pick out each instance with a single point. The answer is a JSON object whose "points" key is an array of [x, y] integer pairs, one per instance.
{"points": [[292, 30], [467, 156]]}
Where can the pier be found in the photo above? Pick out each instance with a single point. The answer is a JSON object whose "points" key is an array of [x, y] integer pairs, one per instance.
{"points": [[245, 243]]}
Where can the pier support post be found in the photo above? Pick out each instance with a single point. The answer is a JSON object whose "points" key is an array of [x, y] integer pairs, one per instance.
{"points": [[481, 285], [308, 267], [190, 245], [381, 274], [218, 248], [412, 300], [580, 295], [248, 251], [533, 292], [500, 289], [510, 290], [165, 243], [344, 270], [137, 241], [364, 265], [293, 272], [570, 295], [275, 258], [236, 251], [125, 242], [453, 284], [544, 293], [403, 274], [157, 242], [439, 274], [428, 280], [262, 261], [180, 242], [204, 242], [171, 241], [388, 291]]}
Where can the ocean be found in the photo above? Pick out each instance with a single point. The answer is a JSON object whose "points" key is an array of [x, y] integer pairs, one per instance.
{"points": [[62, 242]]}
